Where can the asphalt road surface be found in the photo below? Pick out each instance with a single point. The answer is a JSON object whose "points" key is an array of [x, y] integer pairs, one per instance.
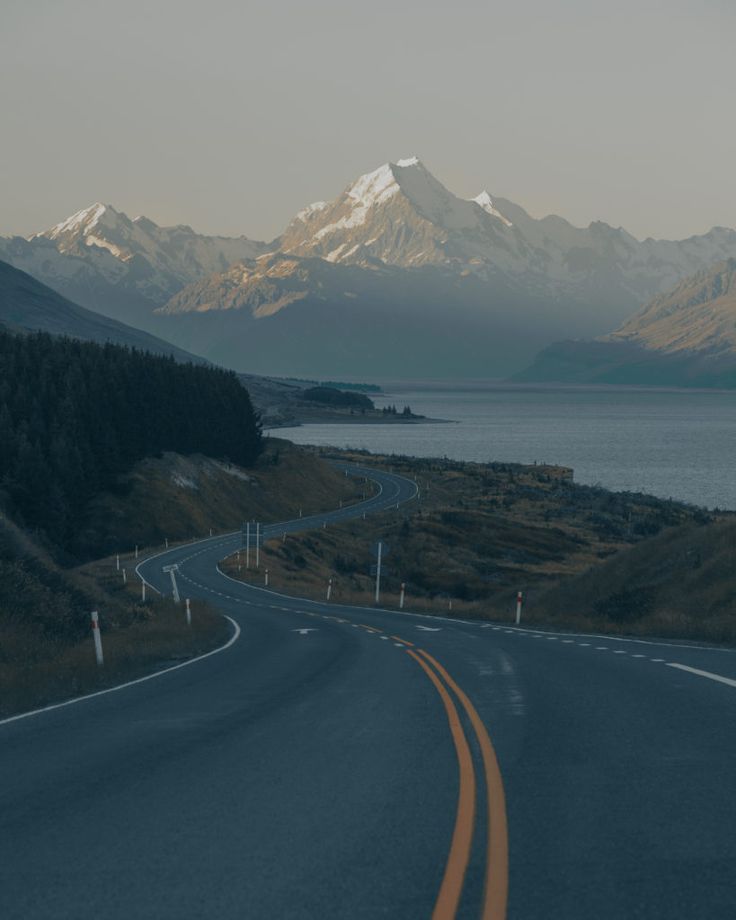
{"points": [[338, 762]]}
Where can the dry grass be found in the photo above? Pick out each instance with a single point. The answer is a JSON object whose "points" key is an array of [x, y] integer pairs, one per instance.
{"points": [[481, 533], [46, 650], [36, 670], [181, 498]]}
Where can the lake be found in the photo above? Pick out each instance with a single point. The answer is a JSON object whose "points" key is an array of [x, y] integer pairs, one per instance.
{"points": [[670, 443]]}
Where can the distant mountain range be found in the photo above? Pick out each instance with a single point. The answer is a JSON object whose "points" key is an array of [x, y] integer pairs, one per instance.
{"points": [[26, 305], [397, 276], [123, 268], [685, 337]]}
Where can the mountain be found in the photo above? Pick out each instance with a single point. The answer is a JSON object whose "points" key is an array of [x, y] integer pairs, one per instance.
{"points": [[398, 275], [120, 267], [28, 305], [685, 337]]}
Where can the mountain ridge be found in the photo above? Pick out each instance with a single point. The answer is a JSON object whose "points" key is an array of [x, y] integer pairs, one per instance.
{"points": [[394, 233], [27, 305], [684, 337]]}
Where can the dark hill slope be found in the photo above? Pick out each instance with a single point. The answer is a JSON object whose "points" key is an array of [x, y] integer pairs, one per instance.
{"points": [[28, 305]]}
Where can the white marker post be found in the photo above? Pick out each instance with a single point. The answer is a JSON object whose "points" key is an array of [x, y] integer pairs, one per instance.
{"points": [[189, 614], [166, 542], [329, 589], [258, 546], [125, 577], [136, 551], [378, 571], [97, 638], [519, 598], [247, 545], [172, 570], [117, 561], [265, 579], [402, 595], [143, 591]]}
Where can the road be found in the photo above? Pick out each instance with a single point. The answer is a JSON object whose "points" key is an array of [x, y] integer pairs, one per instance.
{"points": [[337, 762]]}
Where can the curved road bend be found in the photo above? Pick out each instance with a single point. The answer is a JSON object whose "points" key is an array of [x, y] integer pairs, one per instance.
{"points": [[339, 762]]}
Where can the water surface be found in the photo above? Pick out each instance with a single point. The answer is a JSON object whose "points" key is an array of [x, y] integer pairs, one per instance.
{"points": [[671, 443]]}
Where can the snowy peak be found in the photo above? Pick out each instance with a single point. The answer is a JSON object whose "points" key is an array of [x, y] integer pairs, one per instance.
{"points": [[486, 202], [99, 248], [78, 223], [398, 214]]}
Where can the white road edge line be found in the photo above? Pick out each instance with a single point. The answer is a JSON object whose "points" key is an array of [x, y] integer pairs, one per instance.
{"points": [[729, 682], [139, 680]]}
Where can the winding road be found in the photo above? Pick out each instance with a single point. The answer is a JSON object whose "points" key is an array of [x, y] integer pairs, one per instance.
{"points": [[339, 762]]}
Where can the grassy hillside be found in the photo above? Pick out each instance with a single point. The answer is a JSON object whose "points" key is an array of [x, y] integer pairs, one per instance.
{"points": [[681, 583], [46, 650], [46, 647], [480, 533], [176, 498]]}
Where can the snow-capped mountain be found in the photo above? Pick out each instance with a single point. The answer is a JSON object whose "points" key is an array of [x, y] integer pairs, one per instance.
{"points": [[396, 247], [401, 215], [126, 268], [401, 251]]}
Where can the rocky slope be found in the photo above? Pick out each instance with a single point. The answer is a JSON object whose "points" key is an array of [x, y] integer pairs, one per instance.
{"points": [[685, 337]]}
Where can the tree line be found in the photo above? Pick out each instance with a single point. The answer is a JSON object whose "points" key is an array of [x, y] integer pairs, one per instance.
{"points": [[74, 416]]}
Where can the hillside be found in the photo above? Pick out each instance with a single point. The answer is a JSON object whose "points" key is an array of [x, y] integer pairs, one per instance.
{"points": [[686, 337], [178, 497], [28, 305], [681, 583], [74, 416], [584, 557]]}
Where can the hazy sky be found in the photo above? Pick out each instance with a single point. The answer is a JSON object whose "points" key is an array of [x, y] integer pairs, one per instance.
{"points": [[230, 116]]}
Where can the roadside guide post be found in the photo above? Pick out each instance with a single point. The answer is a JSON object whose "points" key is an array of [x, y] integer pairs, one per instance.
{"points": [[189, 614], [380, 550], [401, 596], [519, 598], [172, 570], [97, 638], [329, 588]]}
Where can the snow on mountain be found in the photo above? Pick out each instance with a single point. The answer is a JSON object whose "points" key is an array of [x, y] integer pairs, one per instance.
{"points": [[102, 259], [486, 202], [393, 237], [400, 214]]}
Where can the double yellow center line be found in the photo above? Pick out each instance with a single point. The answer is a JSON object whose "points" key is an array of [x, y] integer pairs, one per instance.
{"points": [[495, 892]]}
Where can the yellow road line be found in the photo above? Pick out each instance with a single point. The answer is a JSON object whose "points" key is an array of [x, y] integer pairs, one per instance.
{"points": [[448, 898], [405, 641], [495, 895]]}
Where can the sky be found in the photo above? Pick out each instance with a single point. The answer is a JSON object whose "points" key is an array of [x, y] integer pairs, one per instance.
{"points": [[231, 116]]}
